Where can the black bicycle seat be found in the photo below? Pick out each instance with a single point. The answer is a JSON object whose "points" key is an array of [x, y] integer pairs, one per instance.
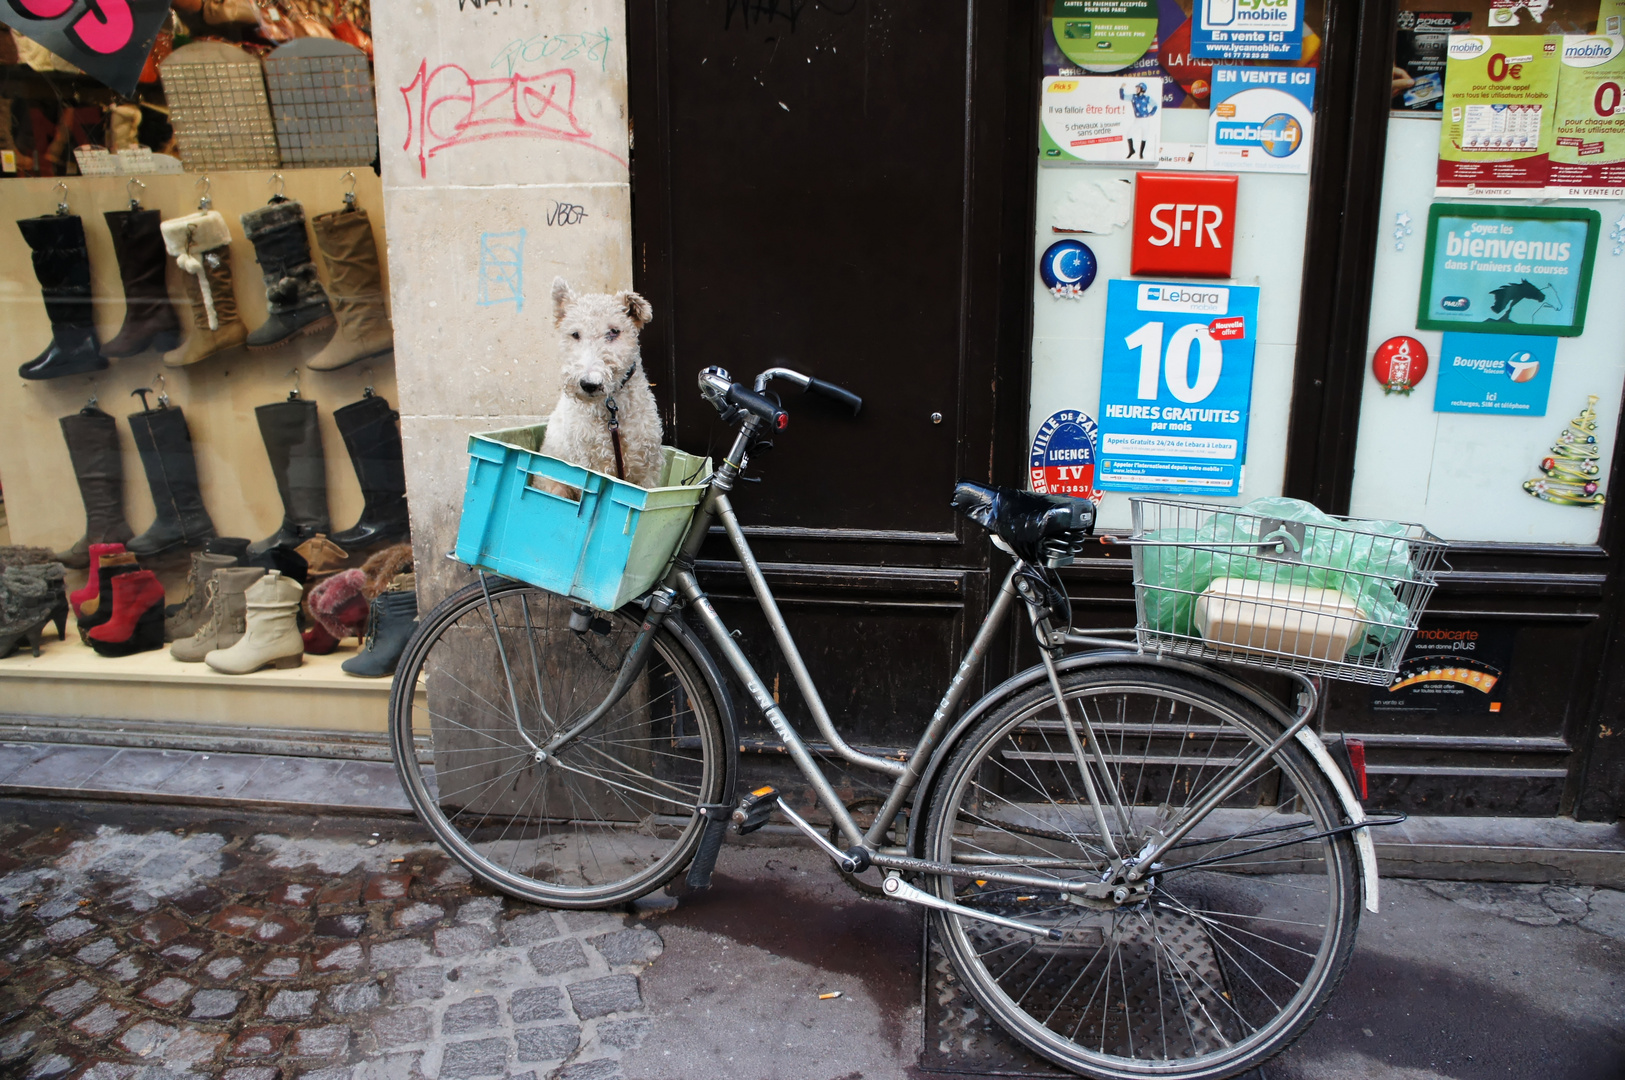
{"points": [[1023, 519]]}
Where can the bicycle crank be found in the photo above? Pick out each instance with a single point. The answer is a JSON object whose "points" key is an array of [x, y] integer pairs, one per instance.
{"points": [[898, 889]]}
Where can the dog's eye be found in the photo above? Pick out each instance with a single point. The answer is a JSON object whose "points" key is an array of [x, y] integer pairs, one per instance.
{"points": [[613, 333], [576, 334]]}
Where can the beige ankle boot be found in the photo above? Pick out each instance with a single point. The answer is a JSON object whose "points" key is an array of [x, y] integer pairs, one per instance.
{"points": [[272, 636], [226, 611]]}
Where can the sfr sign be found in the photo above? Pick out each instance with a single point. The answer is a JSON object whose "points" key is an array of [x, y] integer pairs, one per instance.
{"points": [[1184, 224]]}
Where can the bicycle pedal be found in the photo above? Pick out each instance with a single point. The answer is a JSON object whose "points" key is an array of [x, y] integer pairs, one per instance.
{"points": [[755, 809]]}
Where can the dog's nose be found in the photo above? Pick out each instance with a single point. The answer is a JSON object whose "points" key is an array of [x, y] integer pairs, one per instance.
{"points": [[591, 386]]}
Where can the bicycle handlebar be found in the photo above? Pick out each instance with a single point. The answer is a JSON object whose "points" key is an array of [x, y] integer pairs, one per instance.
{"points": [[835, 393], [730, 397], [742, 397]]}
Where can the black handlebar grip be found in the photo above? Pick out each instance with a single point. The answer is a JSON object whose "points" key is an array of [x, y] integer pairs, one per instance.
{"points": [[745, 398], [836, 393]]}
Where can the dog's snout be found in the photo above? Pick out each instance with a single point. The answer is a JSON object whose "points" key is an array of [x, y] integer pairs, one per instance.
{"points": [[591, 386]]}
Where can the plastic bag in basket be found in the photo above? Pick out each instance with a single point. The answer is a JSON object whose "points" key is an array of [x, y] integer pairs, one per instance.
{"points": [[1361, 559]]}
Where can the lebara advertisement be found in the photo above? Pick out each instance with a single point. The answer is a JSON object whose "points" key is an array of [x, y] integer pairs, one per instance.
{"points": [[1261, 119], [1588, 143], [1508, 269], [1176, 386], [1500, 100]]}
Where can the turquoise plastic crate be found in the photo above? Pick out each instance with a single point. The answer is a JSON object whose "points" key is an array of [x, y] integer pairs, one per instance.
{"points": [[610, 547]]}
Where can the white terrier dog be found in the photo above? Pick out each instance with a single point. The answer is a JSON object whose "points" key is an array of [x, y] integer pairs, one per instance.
{"points": [[606, 418]]}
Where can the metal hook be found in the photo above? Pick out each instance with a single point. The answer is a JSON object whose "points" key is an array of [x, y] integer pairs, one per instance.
{"points": [[367, 391], [278, 186], [349, 192], [204, 185], [142, 392], [163, 390], [91, 404], [129, 189], [293, 395], [61, 203]]}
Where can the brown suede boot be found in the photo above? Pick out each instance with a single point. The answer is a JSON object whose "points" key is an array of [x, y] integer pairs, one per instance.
{"points": [[356, 289], [200, 243]]}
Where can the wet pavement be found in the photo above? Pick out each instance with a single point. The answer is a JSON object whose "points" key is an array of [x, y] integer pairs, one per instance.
{"points": [[154, 943]]}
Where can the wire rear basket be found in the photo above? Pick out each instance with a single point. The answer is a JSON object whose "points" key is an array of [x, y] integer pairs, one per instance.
{"points": [[1338, 597]]}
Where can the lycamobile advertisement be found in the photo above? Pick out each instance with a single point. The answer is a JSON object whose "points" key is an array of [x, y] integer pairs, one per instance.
{"points": [[1176, 386], [1261, 119], [1588, 148], [1500, 97], [1247, 29]]}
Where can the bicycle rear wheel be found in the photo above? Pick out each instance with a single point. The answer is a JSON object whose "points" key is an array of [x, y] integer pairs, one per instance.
{"points": [[1249, 921], [607, 817]]}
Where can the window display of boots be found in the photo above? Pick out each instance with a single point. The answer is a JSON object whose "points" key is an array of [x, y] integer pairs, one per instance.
{"points": [[84, 600], [62, 266], [92, 438], [225, 607], [372, 435], [149, 317], [137, 620], [338, 609], [111, 566], [322, 557], [200, 243], [298, 304], [235, 546], [390, 623], [271, 636], [182, 620], [293, 441], [167, 456], [31, 598], [356, 282]]}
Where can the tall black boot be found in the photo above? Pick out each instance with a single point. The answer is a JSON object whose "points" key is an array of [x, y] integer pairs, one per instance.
{"points": [[293, 441], [373, 437], [62, 266], [92, 438], [298, 304], [167, 456], [149, 317]]}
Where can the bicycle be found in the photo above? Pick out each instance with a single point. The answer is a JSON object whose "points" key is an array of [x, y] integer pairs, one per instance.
{"points": [[1140, 864]]}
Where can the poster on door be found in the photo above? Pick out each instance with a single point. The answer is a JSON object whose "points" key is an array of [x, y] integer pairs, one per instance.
{"points": [[1176, 387], [1500, 99], [1101, 118], [1494, 373], [1588, 142], [1261, 119], [1247, 29], [1453, 667]]}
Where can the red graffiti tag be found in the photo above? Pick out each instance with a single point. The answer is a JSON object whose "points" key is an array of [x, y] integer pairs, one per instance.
{"points": [[447, 107]]}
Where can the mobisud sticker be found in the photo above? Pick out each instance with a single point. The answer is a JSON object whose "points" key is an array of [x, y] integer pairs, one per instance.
{"points": [[1587, 159], [1100, 118], [1247, 29], [1175, 386], [1261, 119]]}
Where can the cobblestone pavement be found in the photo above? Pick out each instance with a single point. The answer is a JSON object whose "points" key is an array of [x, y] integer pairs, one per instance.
{"points": [[252, 948]]}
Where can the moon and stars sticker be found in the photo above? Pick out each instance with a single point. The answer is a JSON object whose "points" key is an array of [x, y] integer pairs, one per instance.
{"points": [[1068, 267], [1062, 461], [1399, 364]]}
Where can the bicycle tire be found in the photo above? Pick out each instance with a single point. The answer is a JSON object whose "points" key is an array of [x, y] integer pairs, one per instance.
{"points": [[1249, 946], [607, 818]]}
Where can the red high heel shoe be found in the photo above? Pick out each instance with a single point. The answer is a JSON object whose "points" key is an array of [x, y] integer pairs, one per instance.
{"points": [[80, 597], [137, 624]]}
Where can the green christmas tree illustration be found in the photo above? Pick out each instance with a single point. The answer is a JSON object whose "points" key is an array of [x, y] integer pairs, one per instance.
{"points": [[1570, 474]]}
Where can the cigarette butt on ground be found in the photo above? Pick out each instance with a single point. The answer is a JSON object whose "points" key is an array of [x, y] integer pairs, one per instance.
{"points": [[831, 994]]}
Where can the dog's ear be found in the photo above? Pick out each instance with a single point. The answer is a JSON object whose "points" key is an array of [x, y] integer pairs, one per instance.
{"points": [[563, 298], [636, 307]]}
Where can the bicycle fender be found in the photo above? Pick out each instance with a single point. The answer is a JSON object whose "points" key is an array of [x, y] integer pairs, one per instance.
{"points": [[719, 693], [1363, 845]]}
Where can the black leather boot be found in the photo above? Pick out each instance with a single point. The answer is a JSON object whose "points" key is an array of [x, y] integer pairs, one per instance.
{"points": [[149, 317], [293, 292], [235, 546], [390, 623], [293, 440], [92, 438], [62, 266], [165, 443], [373, 437]]}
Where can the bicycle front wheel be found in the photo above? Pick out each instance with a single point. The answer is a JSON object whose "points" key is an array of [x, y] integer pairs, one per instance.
{"points": [[605, 818], [1246, 925]]}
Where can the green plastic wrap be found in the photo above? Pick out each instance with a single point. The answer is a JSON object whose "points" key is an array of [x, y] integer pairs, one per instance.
{"points": [[1360, 559]]}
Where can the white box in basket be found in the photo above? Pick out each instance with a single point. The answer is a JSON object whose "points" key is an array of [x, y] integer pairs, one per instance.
{"points": [[1262, 616]]}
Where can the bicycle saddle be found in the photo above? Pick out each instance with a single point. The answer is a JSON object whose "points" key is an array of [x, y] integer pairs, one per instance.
{"points": [[1023, 519]]}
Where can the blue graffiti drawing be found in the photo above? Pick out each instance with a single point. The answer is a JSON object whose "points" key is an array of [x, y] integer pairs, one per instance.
{"points": [[502, 269]]}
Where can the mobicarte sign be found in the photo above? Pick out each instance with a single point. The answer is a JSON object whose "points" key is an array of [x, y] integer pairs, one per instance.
{"points": [[1184, 224]]}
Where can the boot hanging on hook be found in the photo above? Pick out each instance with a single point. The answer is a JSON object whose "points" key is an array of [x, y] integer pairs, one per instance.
{"points": [[344, 238], [138, 246], [62, 266], [293, 293], [201, 243]]}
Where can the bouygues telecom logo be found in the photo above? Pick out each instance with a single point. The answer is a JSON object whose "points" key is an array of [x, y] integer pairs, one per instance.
{"points": [[1200, 299]]}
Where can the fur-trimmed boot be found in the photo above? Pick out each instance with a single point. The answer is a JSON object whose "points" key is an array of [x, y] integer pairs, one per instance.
{"points": [[149, 317], [200, 243], [337, 610], [298, 304], [31, 598]]}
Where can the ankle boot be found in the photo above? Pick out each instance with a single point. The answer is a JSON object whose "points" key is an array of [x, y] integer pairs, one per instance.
{"points": [[24, 555], [167, 456], [284, 560], [62, 266], [234, 546], [373, 437], [226, 606], [293, 441], [137, 624], [111, 566], [92, 438], [390, 625], [344, 238], [81, 599], [293, 292], [321, 556], [272, 634], [201, 245], [30, 600], [149, 317], [182, 620]]}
